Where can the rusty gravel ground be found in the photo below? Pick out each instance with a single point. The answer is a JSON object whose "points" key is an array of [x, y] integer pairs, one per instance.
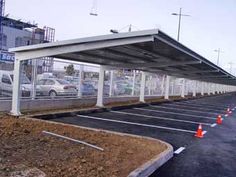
{"points": [[23, 144]]}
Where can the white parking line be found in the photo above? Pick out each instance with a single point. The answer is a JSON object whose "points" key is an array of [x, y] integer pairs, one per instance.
{"points": [[184, 109], [200, 105], [138, 124], [213, 125], [194, 107], [162, 118], [178, 151], [204, 132], [205, 104], [175, 113]]}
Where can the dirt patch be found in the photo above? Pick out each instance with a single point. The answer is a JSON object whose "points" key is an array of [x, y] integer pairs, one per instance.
{"points": [[23, 144]]}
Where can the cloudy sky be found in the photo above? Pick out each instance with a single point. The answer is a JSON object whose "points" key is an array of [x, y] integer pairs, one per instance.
{"points": [[211, 24]]}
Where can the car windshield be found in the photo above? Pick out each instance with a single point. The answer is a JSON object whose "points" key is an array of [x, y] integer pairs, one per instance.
{"points": [[63, 82], [24, 79]]}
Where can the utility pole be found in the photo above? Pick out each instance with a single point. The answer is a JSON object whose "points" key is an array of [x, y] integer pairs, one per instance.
{"points": [[180, 15], [218, 55]]}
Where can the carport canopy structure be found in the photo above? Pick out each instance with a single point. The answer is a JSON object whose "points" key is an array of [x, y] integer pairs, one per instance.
{"points": [[149, 51]]}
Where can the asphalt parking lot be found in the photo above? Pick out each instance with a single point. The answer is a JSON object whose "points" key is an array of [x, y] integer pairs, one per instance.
{"points": [[176, 123]]}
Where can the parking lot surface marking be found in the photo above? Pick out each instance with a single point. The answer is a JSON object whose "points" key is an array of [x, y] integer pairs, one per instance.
{"points": [[184, 109], [205, 104], [175, 113], [178, 151], [213, 125], [163, 118], [139, 124], [204, 132], [193, 107], [201, 104]]}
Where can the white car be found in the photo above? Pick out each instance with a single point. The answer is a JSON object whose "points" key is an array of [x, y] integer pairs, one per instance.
{"points": [[55, 87], [6, 84]]}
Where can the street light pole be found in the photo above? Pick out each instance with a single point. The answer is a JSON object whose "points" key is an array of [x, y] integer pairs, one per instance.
{"points": [[218, 55], [231, 67], [179, 15]]}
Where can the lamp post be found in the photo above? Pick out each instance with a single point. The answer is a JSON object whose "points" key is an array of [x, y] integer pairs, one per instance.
{"points": [[179, 15], [231, 67], [218, 55]]}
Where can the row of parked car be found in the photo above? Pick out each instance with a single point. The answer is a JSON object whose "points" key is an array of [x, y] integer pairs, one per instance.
{"points": [[52, 86], [44, 87]]}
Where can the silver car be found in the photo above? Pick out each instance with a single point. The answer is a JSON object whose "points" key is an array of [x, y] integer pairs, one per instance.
{"points": [[55, 87]]}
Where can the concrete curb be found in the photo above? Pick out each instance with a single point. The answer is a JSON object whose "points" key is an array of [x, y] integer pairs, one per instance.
{"points": [[67, 113], [144, 170], [48, 116], [152, 165]]}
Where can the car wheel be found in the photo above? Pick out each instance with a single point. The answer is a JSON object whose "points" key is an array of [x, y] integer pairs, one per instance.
{"points": [[52, 94]]}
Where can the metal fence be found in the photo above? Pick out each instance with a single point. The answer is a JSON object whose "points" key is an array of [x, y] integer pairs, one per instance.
{"points": [[68, 80]]}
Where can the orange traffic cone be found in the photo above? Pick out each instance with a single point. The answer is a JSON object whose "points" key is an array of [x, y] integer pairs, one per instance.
{"points": [[219, 119], [199, 133]]}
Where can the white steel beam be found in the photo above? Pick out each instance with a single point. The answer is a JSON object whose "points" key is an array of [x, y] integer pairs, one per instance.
{"points": [[167, 87], [154, 64], [100, 87], [142, 87], [15, 110], [50, 50], [200, 71]]}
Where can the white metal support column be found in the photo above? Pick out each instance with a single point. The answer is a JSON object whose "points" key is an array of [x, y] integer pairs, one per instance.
{"points": [[100, 87], [34, 78], [163, 85], [15, 110], [167, 87], [208, 88], [202, 88], [133, 84], [194, 88], [183, 89], [214, 89], [149, 85], [81, 70], [217, 89], [172, 87], [111, 83], [142, 87]]}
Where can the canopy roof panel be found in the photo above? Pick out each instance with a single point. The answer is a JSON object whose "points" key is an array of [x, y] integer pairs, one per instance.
{"points": [[149, 50]]}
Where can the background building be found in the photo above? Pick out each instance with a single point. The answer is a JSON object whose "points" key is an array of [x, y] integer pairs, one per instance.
{"points": [[16, 33]]}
